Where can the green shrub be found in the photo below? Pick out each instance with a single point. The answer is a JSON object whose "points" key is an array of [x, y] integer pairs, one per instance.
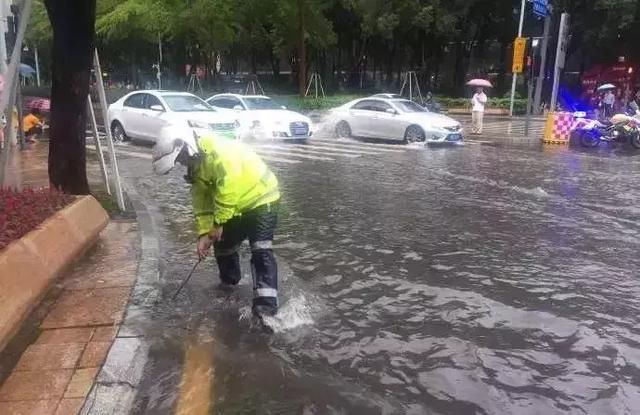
{"points": [[297, 103]]}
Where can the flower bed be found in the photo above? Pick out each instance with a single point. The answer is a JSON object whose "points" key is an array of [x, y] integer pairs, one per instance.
{"points": [[23, 211]]}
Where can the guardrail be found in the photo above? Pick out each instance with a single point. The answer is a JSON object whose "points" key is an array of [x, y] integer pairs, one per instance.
{"points": [[11, 82]]}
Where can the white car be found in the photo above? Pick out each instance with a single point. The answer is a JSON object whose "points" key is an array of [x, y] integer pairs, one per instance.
{"points": [[262, 118], [141, 115], [395, 119]]}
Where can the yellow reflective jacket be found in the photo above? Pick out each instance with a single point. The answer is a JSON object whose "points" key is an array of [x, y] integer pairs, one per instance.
{"points": [[229, 180]]}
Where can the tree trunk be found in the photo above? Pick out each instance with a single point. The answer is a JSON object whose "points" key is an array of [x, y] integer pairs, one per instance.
{"points": [[73, 25], [302, 52]]}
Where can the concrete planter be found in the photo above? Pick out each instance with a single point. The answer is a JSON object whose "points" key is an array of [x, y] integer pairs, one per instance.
{"points": [[29, 265]]}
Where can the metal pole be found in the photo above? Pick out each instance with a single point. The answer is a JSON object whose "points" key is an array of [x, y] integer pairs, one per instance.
{"points": [[410, 86], [105, 120], [559, 64], [7, 97], [96, 134], [515, 75], [159, 61], [543, 65], [529, 94], [3, 41], [12, 70], [35, 52], [20, 137]]}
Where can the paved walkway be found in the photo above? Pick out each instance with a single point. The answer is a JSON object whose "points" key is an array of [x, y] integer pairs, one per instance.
{"points": [[51, 366]]}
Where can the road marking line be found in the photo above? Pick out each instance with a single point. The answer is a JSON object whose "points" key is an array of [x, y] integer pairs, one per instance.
{"points": [[301, 149], [353, 149], [279, 160], [196, 387], [125, 153], [382, 148], [285, 153]]}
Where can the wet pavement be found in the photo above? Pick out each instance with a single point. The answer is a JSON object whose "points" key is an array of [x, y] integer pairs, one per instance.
{"points": [[466, 280]]}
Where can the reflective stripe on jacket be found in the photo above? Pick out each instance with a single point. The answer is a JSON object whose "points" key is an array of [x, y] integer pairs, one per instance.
{"points": [[229, 180]]}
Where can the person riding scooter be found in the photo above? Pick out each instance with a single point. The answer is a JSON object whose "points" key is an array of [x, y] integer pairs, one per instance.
{"points": [[235, 197]]}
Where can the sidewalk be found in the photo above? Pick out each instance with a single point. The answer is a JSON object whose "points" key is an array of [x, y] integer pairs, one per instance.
{"points": [[51, 365], [502, 128]]}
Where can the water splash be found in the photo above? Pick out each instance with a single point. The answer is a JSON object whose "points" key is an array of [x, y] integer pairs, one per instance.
{"points": [[294, 313]]}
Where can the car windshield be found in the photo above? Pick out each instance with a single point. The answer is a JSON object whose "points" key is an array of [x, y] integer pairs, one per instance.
{"points": [[409, 106], [186, 103], [261, 104]]}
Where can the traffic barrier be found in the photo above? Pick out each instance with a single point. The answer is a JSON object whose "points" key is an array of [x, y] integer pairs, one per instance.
{"points": [[557, 129]]}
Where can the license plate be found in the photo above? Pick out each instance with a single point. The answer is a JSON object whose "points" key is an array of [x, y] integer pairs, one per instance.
{"points": [[454, 137]]}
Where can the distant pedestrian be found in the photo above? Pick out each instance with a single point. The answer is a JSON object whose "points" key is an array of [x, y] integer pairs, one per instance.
{"points": [[609, 101], [478, 101], [32, 125]]}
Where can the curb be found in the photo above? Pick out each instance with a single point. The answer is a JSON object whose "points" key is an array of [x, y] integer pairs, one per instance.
{"points": [[29, 265], [115, 389]]}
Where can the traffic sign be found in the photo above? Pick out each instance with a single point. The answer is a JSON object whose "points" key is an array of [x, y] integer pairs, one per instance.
{"points": [[540, 7], [519, 47]]}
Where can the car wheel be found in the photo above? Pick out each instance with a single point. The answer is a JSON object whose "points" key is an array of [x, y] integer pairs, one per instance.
{"points": [[414, 134], [589, 139], [117, 132], [343, 130]]}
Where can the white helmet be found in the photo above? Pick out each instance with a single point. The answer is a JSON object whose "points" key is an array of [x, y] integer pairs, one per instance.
{"points": [[172, 141]]}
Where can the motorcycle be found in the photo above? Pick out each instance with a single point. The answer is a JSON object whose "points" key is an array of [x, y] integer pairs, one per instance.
{"points": [[620, 128]]}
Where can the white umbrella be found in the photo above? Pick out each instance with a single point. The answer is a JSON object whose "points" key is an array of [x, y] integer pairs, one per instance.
{"points": [[606, 86], [480, 82]]}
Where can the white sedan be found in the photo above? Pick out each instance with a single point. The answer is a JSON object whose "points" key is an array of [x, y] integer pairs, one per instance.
{"points": [[141, 115], [262, 118], [395, 119]]}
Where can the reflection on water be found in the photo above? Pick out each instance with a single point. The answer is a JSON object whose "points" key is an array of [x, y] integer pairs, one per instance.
{"points": [[477, 280]]}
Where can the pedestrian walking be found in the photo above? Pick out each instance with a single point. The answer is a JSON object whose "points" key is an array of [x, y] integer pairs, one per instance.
{"points": [[235, 197], [478, 102], [609, 100]]}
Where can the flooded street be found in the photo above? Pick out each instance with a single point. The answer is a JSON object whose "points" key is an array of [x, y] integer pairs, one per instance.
{"points": [[467, 280]]}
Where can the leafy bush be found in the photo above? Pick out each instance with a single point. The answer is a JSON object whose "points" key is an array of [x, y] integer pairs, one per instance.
{"points": [[297, 103], [519, 105], [23, 211]]}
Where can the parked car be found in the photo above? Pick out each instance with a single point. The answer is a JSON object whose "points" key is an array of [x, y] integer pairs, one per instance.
{"points": [[395, 119], [387, 96], [262, 118], [429, 101], [141, 115]]}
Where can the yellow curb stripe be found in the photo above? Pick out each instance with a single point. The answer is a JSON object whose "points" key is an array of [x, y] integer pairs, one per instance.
{"points": [[196, 391]]}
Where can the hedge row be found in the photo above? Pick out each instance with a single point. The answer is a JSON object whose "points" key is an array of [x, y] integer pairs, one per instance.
{"points": [[297, 103]]}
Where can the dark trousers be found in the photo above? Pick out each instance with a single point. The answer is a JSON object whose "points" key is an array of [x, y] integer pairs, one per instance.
{"points": [[33, 131], [257, 225]]}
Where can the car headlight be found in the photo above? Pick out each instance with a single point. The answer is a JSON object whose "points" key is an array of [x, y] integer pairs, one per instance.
{"points": [[197, 124]]}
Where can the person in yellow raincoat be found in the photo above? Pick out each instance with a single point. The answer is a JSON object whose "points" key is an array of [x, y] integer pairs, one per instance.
{"points": [[235, 197]]}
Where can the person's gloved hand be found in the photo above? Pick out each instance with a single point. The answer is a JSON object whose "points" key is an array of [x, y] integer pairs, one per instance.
{"points": [[203, 246]]}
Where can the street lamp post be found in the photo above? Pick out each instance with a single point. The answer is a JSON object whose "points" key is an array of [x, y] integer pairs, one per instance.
{"points": [[515, 75]]}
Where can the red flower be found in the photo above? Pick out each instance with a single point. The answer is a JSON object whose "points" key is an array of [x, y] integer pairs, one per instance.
{"points": [[23, 211]]}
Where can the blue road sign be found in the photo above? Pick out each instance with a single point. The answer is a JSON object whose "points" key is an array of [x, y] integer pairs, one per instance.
{"points": [[540, 7]]}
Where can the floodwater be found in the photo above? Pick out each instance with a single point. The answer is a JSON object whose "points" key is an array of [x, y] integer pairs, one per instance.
{"points": [[470, 280]]}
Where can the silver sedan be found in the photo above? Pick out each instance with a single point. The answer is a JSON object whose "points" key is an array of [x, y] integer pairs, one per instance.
{"points": [[395, 119]]}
